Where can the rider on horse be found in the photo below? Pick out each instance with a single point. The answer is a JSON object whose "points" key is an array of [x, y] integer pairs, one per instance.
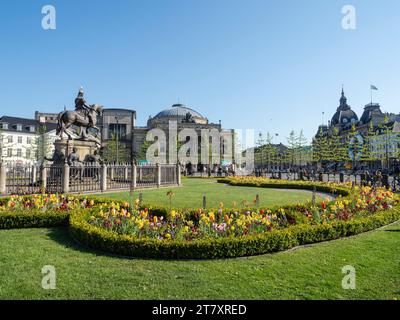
{"points": [[82, 107]]}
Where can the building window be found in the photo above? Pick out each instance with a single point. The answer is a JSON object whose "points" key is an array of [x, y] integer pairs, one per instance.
{"points": [[28, 153], [19, 153], [19, 127], [117, 131], [28, 140], [19, 139], [9, 152], [10, 139]]}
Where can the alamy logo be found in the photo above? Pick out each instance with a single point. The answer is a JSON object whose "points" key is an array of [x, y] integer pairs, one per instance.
{"points": [[49, 278], [349, 280], [49, 20], [349, 20]]}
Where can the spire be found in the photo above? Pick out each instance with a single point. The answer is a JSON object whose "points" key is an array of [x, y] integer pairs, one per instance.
{"points": [[343, 100]]}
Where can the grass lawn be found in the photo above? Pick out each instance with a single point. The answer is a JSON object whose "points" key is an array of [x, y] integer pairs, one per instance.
{"points": [[191, 195], [306, 273]]}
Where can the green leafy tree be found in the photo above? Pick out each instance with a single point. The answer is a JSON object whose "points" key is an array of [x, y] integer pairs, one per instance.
{"points": [[301, 146], [321, 151], [42, 144], [116, 151], [292, 142]]}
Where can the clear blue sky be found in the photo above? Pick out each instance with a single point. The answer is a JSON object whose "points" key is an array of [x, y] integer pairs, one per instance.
{"points": [[262, 64]]}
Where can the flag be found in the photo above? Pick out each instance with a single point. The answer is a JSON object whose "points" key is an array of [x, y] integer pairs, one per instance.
{"points": [[373, 87]]}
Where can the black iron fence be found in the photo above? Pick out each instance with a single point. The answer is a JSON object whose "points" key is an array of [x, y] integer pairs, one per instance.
{"points": [[119, 176], [147, 176], [389, 181], [84, 178], [22, 179]]}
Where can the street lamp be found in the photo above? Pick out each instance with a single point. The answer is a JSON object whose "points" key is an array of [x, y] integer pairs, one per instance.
{"points": [[117, 137]]}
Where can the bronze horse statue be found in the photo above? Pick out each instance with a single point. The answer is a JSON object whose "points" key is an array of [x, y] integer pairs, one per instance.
{"points": [[85, 121]]}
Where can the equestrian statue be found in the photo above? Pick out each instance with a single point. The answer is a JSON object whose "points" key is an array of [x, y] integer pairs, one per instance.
{"points": [[84, 117]]}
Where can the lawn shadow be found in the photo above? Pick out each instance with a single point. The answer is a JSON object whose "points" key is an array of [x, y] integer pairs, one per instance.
{"points": [[62, 237], [392, 230]]}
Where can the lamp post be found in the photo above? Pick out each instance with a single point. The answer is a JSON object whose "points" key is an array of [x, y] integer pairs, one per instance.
{"points": [[117, 137]]}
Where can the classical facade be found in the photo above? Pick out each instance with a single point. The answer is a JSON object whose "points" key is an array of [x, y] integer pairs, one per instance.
{"points": [[184, 118], [21, 137], [378, 129], [25, 141]]}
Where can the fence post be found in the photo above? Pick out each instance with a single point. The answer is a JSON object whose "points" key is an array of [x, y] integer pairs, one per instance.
{"points": [[103, 178], [158, 173], [112, 172], [126, 171], [43, 177], [134, 176], [178, 174], [34, 174], [3, 179], [65, 178]]}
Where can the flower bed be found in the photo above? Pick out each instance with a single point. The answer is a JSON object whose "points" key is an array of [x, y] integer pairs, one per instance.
{"points": [[221, 233], [39, 210], [126, 228]]}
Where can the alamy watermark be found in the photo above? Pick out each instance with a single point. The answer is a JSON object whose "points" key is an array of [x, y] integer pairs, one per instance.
{"points": [[206, 146], [349, 280], [349, 20], [49, 19], [49, 278]]}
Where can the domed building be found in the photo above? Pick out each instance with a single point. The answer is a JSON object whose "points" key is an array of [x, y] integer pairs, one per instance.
{"points": [[369, 125], [185, 118], [178, 112], [344, 116]]}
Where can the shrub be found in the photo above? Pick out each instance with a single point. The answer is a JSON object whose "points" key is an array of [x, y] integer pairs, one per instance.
{"points": [[273, 241], [33, 219]]}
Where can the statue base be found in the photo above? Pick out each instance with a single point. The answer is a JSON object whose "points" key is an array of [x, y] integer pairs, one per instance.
{"points": [[83, 148]]}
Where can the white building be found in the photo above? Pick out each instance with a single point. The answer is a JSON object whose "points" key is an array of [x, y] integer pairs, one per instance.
{"points": [[25, 141]]}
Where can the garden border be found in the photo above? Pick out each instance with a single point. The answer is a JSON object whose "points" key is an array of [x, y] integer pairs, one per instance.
{"points": [[274, 241]]}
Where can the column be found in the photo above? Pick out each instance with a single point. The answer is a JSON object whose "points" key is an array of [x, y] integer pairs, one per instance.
{"points": [[103, 178], [65, 178]]}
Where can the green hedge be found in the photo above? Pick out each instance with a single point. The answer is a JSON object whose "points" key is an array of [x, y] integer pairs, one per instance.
{"points": [[33, 219], [283, 184], [274, 241]]}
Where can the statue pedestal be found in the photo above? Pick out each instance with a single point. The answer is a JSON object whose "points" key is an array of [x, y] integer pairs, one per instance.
{"points": [[83, 148]]}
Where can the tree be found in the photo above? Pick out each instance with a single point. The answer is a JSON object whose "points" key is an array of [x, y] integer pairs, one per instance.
{"points": [[42, 144], [141, 155], [367, 154], [292, 141], [301, 144], [265, 149], [321, 148], [116, 151], [335, 144]]}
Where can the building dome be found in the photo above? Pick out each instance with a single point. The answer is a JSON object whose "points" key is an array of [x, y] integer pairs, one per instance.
{"points": [[344, 115], [181, 113]]}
